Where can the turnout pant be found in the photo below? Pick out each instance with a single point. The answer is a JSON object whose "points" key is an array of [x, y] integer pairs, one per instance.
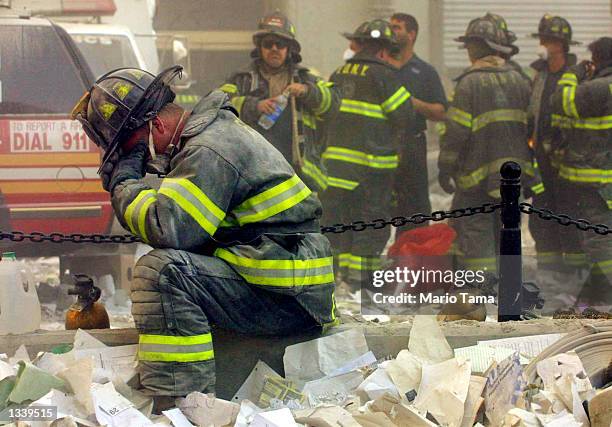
{"points": [[357, 254], [557, 248], [412, 180], [591, 205], [477, 236], [177, 296]]}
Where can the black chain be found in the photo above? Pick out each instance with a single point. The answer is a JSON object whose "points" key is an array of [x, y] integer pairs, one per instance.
{"points": [[566, 220], [398, 221]]}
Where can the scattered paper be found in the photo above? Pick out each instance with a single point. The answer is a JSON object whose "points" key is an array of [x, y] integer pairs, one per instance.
{"points": [[110, 361], [281, 390], [474, 400], [554, 367], [376, 385], [405, 371], [482, 356], [247, 413], [529, 346], [443, 390], [177, 418], [517, 417], [6, 370], [563, 419], [278, 418], [504, 389], [66, 404], [325, 416], [33, 383], [253, 385], [20, 355], [85, 341], [362, 361], [78, 377], [427, 340], [332, 390], [374, 419], [317, 358], [399, 413], [54, 363], [206, 410], [114, 410]]}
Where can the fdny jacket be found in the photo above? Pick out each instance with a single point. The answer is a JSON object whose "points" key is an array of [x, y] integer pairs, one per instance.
{"points": [[231, 195], [487, 126], [246, 88], [375, 112], [584, 112]]}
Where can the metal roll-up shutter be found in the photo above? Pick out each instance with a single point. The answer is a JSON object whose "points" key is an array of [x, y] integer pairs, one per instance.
{"points": [[590, 19]]}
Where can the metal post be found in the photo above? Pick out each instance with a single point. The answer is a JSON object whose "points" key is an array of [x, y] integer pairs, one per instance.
{"points": [[510, 261]]}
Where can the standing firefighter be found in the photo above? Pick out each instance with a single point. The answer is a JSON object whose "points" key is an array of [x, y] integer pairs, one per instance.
{"points": [[583, 103], [486, 126], [257, 91], [558, 248], [236, 232], [363, 146]]}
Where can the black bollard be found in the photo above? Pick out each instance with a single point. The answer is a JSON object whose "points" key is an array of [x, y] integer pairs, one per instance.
{"points": [[510, 301]]}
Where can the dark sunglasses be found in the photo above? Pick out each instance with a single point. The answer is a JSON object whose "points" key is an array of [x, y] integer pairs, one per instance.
{"points": [[280, 43]]}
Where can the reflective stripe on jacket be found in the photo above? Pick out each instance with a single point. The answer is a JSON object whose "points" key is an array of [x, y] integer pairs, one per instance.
{"points": [[487, 126], [231, 195]]}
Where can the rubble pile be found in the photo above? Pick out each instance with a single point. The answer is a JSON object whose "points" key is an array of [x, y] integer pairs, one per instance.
{"points": [[553, 380]]}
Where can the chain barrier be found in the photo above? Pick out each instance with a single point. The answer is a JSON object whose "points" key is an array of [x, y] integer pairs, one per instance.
{"points": [[377, 224], [565, 220]]}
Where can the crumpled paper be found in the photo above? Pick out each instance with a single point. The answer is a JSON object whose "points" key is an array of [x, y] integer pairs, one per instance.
{"points": [[207, 411]]}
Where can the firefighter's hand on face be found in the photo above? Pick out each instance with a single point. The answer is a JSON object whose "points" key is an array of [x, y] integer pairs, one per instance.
{"points": [[297, 90], [446, 182], [266, 106], [121, 167]]}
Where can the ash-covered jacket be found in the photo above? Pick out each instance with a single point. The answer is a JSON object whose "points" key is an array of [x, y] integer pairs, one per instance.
{"points": [[550, 145], [230, 194], [247, 87], [585, 114], [374, 117], [487, 126]]}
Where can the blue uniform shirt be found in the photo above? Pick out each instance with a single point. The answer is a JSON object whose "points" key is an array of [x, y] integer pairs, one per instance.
{"points": [[423, 82]]}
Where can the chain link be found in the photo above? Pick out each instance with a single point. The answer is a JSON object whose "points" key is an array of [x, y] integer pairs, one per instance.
{"points": [[565, 220], [377, 224]]}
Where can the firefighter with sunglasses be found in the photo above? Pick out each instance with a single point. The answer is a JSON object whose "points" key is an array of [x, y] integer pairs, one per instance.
{"points": [[262, 95]]}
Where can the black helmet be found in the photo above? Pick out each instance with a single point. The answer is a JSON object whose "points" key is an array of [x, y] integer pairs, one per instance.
{"points": [[555, 27], [121, 101], [378, 29], [277, 24], [488, 31], [501, 23]]}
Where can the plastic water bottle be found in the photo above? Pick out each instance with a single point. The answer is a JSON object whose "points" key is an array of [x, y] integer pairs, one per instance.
{"points": [[19, 305], [266, 121]]}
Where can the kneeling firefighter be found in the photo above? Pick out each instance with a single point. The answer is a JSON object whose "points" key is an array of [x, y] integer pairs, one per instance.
{"points": [[235, 232]]}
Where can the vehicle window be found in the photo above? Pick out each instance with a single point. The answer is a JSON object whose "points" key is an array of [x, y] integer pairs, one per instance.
{"points": [[36, 72], [104, 53]]}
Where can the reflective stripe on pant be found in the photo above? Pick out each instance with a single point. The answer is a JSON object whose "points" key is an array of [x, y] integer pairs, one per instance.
{"points": [[177, 296], [360, 250], [551, 240]]}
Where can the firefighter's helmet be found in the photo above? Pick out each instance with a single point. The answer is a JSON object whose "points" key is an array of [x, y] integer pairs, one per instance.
{"points": [[278, 24], [501, 23], [486, 30], [120, 102], [555, 27], [378, 29]]}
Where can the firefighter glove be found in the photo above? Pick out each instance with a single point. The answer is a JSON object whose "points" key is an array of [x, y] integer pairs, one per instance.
{"points": [[446, 182], [129, 166], [583, 70]]}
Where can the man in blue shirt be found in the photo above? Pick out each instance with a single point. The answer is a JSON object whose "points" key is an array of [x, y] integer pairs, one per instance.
{"points": [[429, 102]]}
